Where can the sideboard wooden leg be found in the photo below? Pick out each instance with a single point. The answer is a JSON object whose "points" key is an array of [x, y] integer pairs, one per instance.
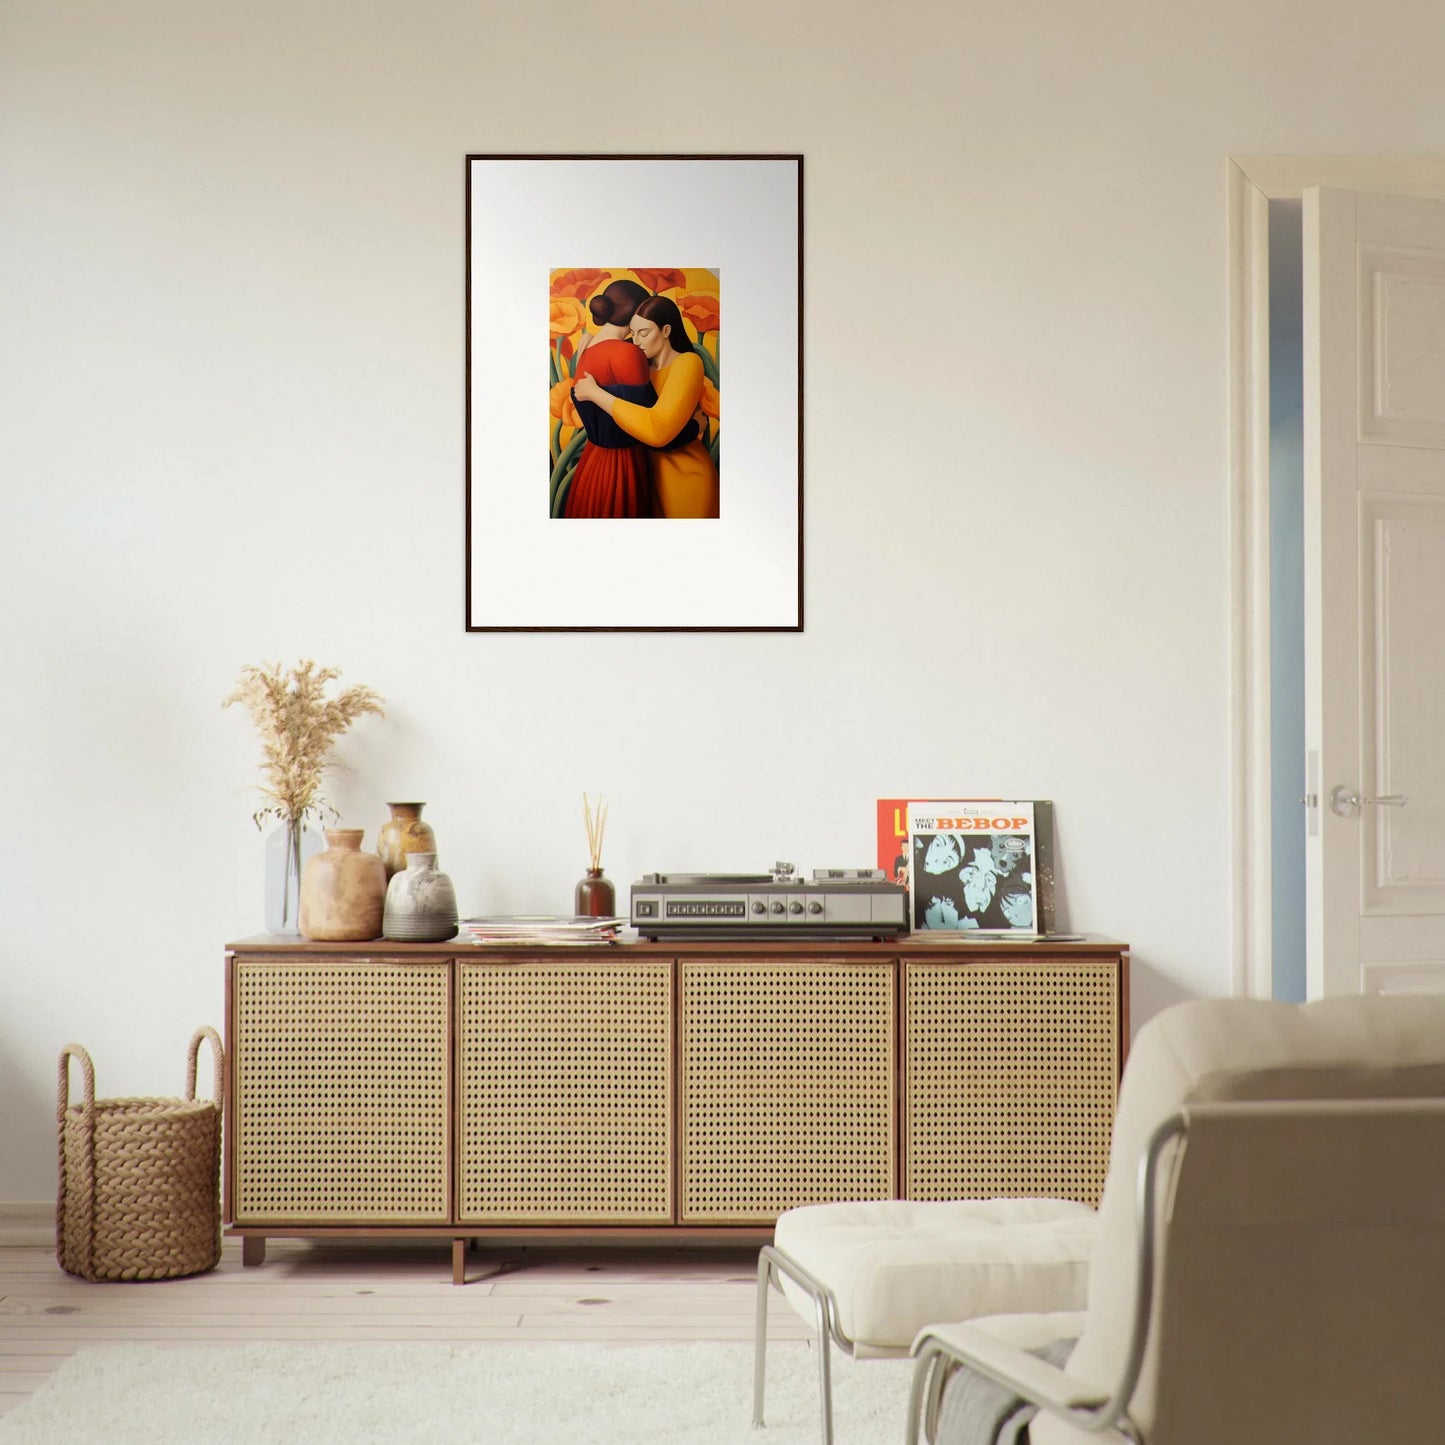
{"points": [[253, 1249], [459, 1261]]}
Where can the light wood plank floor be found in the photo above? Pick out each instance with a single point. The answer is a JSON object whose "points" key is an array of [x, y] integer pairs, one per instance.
{"points": [[376, 1291]]}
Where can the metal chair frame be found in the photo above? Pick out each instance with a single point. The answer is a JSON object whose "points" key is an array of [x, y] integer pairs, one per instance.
{"points": [[937, 1359], [772, 1262]]}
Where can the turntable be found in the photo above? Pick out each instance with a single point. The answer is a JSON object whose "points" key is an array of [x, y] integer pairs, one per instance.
{"points": [[834, 903]]}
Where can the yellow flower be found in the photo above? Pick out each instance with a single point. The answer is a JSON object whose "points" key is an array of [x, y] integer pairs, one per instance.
{"points": [[562, 405], [566, 316], [710, 399]]}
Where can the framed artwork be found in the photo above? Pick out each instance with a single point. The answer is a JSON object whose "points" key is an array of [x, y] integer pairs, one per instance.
{"points": [[650, 479]]}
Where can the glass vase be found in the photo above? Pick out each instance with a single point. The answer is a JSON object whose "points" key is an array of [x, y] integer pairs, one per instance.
{"points": [[288, 846]]}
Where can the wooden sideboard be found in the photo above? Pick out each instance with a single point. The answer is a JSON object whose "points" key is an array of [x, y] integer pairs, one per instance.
{"points": [[649, 1091]]}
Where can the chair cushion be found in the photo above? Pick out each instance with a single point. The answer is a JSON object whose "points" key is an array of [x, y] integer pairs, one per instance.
{"points": [[897, 1265]]}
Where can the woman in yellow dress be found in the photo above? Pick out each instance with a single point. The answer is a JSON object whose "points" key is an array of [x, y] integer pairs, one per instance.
{"points": [[684, 479]]}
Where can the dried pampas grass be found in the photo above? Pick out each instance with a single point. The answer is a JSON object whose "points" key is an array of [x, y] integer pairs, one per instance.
{"points": [[298, 724]]}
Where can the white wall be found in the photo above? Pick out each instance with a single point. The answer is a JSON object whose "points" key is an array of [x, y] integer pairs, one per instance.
{"points": [[231, 380]]}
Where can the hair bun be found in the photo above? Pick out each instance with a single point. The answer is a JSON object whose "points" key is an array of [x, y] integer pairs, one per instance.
{"points": [[601, 309]]}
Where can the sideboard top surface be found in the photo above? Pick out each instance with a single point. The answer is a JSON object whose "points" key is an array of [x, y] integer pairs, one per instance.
{"points": [[910, 944]]}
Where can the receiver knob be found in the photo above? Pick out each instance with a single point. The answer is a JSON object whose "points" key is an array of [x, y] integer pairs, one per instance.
{"points": [[815, 907], [777, 907], [759, 906], [795, 907]]}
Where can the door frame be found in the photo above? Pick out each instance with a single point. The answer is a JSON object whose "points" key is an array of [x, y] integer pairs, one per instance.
{"points": [[1252, 183]]}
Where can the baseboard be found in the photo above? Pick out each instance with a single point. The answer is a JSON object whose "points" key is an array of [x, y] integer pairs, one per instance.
{"points": [[28, 1222]]}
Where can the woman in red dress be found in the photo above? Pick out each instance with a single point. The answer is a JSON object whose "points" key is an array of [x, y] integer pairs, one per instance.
{"points": [[612, 479]]}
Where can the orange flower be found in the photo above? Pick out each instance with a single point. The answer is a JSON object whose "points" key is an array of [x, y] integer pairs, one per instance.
{"points": [[562, 406], [567, 316], [581, 283], [710, 399], [701, 311], [658, 281]]}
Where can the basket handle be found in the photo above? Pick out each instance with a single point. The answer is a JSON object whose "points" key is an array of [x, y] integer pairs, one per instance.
{"points": [[87, 1069], [86, 1183], [204, 1032]]}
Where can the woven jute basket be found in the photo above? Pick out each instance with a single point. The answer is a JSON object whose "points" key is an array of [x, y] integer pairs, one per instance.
{"points": [[139, 1178]]}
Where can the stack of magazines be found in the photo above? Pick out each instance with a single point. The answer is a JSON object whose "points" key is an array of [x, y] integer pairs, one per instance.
{"points": [[545, 928]]}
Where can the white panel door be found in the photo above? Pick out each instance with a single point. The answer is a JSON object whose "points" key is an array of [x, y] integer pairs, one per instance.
{"points": [[1374, 335]]}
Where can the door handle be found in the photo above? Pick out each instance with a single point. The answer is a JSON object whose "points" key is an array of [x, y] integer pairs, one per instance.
{"points": [[1345, 802]]}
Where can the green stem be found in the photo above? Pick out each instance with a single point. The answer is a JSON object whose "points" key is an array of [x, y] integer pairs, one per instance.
{"points": [[569, 454], [559, 503], [709, 365]]}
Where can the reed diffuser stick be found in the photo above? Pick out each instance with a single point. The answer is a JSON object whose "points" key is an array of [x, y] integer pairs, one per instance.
{"points": [[596, 823]]}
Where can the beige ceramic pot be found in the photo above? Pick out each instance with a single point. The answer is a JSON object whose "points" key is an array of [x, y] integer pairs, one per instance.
{"points": [[343, 890], [403, 833], [421, 904]]}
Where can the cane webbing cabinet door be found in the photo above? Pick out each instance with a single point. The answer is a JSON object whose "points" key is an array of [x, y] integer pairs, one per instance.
{"points": [[1010, 1076], [787, 1085], [647, 1091], [564, 1077], [340, 1101]]}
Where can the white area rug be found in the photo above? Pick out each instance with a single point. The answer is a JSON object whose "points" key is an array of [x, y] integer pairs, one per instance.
{"points": [[474, 1394]]}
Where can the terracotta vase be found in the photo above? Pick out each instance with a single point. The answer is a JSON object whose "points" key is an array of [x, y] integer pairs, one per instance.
{"points": [[421, 904], [403, 833], [595, 897], [343, 890]]}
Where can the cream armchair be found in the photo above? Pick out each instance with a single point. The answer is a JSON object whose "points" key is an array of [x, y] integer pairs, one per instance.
{"points": [[1269, 1267]]}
